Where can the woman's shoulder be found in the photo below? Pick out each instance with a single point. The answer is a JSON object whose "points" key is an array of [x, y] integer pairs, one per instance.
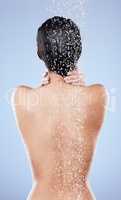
{"points": [[19, 95], [98, 92], [97, 88]]}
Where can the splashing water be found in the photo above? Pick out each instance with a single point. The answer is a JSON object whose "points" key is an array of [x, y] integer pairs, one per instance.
{"points": [[73, 9]]}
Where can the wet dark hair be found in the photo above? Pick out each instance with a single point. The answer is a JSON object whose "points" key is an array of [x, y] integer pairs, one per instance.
{"points": [[59, 44]]}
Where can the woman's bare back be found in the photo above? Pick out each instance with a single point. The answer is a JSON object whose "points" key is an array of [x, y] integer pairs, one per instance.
{"points": [[59, 124]]}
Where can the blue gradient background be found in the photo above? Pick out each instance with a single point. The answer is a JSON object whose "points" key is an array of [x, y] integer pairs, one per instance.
{"points": [[100, 24]]}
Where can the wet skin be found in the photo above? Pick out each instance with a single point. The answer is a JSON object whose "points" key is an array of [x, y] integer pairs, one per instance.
{"points": [[60, 124]]}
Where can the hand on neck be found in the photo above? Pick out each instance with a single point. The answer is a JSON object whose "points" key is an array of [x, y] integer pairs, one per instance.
{"points": [[54, 77]]}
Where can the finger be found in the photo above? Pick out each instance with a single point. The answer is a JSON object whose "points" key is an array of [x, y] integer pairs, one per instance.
{"points": [[74, 74], [74, 77], [45, 83], [45, 78], [78, 82], [45, 74], [74, 81], [71, 73]]}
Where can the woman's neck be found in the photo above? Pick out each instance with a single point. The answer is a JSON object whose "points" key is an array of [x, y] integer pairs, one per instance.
{"points": [[54, 77]]}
